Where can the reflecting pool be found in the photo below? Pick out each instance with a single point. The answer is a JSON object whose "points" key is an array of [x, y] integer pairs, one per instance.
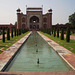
{"points": [[36, 48]]}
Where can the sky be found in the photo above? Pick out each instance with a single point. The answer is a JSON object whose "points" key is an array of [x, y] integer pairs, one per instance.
{"points": [[61, 9]]}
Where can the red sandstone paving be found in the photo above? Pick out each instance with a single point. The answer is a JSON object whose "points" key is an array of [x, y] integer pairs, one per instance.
{"points": [[1, 50], [3, 56], [70, 58], [40, 73]]}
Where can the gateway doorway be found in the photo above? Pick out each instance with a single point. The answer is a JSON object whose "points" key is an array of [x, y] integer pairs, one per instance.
{"points": [[34, 23]]}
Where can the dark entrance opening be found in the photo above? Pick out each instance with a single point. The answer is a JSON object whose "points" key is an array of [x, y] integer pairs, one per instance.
{"points": [[34, 23]]}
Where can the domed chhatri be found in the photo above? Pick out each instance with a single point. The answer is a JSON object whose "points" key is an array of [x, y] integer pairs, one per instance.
{"points": [[18, 10], [50, 10]]}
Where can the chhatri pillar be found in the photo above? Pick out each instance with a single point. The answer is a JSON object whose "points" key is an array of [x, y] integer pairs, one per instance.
{"points": [[50, 18], [18, 18]]}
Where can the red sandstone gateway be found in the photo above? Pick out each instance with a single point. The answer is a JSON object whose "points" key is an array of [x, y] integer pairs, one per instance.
{"points": [[34, 19]]}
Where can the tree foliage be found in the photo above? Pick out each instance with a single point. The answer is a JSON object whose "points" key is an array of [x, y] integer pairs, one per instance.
{"points": [[50, 31], [72, 19], [19, 31], [15, 31], [57, 33], [3, 35], [62, 34], [12, 32], [15, 23], [54, 32], [8, 34], [68, 35]]}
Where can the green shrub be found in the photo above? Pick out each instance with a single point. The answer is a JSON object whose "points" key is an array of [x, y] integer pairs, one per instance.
{"points": [[62, 34], [15, 31], [68, 35], [3, 35], [54, 32], [8, 34], [19, 31], [57, 33], [12, 32], [50, 31]]}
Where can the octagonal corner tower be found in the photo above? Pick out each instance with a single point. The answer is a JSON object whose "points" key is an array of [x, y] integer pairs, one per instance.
{"points": [[34, 19]]}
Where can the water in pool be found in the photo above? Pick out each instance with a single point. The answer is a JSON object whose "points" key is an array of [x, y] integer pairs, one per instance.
{"points": [[37, 55]]}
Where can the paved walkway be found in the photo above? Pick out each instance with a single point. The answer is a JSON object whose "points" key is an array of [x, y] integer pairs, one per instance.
{"points": [[40, 73]]}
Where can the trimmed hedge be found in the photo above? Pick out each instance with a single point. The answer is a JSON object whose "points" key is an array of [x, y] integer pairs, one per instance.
{"points": [[12, 32], [57, 33], [68, 35], [8, 34], [54, 32], [50, 31], [62, 34], [3, 35], [15, 31]]}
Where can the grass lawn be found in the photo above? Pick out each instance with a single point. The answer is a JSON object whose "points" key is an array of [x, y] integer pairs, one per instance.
{"points": [[73, 34], [70, 46], [10, 42]]}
